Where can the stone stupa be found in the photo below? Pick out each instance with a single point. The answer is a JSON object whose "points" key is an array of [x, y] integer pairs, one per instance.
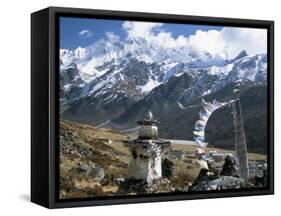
{"points": [[147, 151]]}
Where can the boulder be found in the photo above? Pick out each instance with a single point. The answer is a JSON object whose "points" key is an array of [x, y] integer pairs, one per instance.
{"points": [[91, 170], [229, 167], [221, 183]]}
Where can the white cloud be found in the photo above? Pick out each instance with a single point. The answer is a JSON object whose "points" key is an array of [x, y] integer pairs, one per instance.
{"points": [[152, 32], [86, 33], [226, 43], [254, 41], [206, 41], [166, 39], [229, 42], [140, 29], [111, 37]]}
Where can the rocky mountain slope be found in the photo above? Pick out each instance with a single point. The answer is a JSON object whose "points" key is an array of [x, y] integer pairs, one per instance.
{"points": [[219, 130]]}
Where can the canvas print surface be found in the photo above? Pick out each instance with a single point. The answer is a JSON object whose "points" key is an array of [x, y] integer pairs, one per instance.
{"points": [[149, 108]]}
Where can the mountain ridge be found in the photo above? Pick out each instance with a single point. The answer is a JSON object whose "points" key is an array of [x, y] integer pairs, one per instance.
{"points": [[130, 79], [114, 83]]}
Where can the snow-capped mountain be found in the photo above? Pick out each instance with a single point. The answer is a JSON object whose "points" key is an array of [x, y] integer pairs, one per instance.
{"points": [[106, 79]]}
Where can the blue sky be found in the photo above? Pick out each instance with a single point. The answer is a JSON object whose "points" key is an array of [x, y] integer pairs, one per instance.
{"points": [[76, 32]]}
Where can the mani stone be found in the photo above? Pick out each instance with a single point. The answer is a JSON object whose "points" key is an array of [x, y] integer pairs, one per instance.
{"points": [[147, 151]]}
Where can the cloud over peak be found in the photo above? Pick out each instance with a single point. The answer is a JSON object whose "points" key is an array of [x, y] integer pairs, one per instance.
{"points": [[225, 43], [112, 37], [140, 29]]}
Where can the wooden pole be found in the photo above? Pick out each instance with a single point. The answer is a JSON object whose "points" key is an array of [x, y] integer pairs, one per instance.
{"points": [[240, 139]]}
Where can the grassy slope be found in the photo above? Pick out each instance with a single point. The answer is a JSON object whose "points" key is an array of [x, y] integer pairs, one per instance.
{"points": [[104, 147], [112, 158]]}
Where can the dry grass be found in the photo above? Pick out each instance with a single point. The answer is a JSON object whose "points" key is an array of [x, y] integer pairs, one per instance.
{"points": [[184, 173], [93, 132], [105, 147]]}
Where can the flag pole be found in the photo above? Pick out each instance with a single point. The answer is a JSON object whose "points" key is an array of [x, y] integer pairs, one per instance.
{"points": [[240, 139]]}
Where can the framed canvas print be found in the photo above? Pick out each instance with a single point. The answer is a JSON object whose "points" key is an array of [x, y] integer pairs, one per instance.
{"points": [[138, 107]]}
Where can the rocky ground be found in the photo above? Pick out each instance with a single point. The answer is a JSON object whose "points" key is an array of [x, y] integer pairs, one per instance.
{"points": [[94, 162], [87, 160]]}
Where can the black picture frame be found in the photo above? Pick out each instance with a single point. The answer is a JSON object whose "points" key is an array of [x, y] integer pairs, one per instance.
{"points": [[45, 108]]}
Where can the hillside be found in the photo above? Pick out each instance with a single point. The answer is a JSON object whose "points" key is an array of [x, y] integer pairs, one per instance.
{"points": [[85, 144], [219, 130], [83, 147], [94, 162]]}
